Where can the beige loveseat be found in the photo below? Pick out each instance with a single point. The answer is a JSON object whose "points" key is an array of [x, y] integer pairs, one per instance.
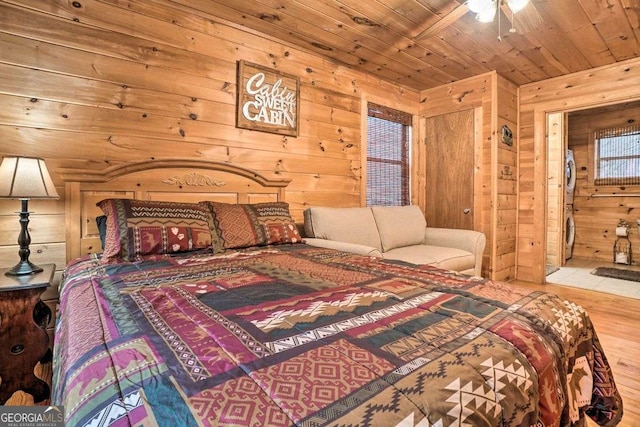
{"points": [[394, 232]]}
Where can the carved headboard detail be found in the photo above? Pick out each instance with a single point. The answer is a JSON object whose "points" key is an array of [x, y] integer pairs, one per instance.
{"points": [[181, 180]]}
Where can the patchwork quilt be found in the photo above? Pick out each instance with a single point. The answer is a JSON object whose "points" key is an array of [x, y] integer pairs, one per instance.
{"points": [[296, 335]]}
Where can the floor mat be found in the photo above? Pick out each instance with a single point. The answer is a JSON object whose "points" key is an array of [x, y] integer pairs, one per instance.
{"points": [[617, 273], [551, 269]]}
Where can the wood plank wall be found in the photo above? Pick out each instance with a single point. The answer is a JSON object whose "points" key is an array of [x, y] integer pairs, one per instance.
{"points": [[505, 175], [555, 190], [597, 87], [495, 102], [93, 83], [596, 217]]}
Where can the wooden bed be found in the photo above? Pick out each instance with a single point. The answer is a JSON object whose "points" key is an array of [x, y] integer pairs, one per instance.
{"points": [[282, 333]]}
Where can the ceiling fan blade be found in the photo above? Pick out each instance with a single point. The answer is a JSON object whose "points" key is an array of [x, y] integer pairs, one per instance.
{"points": [[447, 20]]}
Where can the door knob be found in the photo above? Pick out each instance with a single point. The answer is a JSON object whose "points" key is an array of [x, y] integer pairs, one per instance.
{"points": [[466, 211]]}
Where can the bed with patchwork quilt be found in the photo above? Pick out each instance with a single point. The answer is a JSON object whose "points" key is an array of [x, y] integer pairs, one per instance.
{"points": [[290, 334], [204, 308]]}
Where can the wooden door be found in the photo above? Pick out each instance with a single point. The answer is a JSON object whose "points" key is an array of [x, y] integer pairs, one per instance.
{"points": [[449, 143]]}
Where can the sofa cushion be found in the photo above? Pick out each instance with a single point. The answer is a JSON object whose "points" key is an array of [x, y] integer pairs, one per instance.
{"points": [[439, 256], [351, 225], [399, 226]]}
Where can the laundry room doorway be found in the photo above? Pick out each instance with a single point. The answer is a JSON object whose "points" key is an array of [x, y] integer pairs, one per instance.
{"points": [[593, 182], [598, 224]]}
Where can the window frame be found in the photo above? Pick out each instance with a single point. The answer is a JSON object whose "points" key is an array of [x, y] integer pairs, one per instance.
{"points": [[594, 150], [406, 120]]}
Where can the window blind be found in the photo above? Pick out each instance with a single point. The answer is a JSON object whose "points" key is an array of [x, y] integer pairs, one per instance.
{"points": [[388, 142], [618, 156]]}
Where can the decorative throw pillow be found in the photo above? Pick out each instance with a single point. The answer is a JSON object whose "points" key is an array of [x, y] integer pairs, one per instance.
{"points": [[245, 225], [142, 227]]}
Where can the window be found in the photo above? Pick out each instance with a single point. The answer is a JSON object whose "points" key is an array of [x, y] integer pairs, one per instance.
{"points": [[388, 142], [618, 156]]}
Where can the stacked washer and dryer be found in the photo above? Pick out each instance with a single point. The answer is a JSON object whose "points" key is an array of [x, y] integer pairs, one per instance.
{"points": [[570, 227]]}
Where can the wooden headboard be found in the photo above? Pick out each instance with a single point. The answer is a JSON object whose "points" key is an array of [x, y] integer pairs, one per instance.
{"points": [[180, 180]]}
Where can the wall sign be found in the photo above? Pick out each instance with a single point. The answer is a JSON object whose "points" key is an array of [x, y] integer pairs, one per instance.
{"points": [[268, 100]]}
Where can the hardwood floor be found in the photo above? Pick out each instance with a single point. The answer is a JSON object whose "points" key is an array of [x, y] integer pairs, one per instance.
{"points": [[617, 323]]}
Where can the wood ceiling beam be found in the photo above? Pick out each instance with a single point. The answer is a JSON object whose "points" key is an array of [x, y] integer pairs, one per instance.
{"points": [[449, 19]]}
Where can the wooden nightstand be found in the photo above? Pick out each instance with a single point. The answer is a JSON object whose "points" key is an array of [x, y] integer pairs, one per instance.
{"points": [[23, 337]]}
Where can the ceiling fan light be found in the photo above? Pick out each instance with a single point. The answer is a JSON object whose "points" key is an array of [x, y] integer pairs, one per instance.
{"points": [[488, 14], [517, 5], [477, 6]]}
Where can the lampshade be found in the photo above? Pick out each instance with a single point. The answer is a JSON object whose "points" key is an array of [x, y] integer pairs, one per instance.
{"points": [[477, 6], [25, 178]]}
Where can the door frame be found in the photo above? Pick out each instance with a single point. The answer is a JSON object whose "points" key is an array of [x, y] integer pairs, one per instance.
{"points": [[556, 148], [541, 146]]}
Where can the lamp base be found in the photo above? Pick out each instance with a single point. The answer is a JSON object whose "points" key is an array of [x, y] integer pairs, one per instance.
{"points": [[23, 268]]}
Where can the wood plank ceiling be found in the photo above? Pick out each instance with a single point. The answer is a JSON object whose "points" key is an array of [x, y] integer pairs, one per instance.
{"points": [[386, 38]]}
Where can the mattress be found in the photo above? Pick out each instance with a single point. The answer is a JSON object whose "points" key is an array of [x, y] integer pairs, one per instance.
{"points": [[298, 335]]}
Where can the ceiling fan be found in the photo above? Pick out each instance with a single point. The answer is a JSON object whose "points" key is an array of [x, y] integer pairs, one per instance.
{"points": [[486, 11]]}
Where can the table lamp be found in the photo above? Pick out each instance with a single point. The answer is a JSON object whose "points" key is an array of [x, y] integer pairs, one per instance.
{"points": [[25, 178]]}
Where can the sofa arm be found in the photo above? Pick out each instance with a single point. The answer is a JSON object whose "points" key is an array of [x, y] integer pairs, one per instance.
{"points": [[467, 240], [353, 248]]}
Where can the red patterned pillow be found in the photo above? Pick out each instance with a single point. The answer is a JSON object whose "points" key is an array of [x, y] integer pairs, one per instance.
{"points": [[142, 227], [245, 225]]}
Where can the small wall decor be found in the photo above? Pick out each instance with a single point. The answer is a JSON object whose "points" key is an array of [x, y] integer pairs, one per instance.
{"points": [[622, 246], [506, 173], [268, 100], [507, 135]]}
